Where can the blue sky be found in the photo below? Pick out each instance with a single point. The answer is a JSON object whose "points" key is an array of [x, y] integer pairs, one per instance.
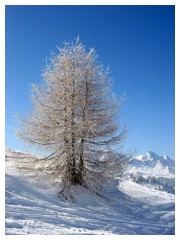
{"points": [[137, 42]]}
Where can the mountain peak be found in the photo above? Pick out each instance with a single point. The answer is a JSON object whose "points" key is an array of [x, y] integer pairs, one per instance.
{"points": [[151, 155], [154, 164], [166, 157]]}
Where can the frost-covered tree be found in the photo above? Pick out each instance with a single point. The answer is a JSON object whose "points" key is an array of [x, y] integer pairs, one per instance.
{"points": [[75, 119]]}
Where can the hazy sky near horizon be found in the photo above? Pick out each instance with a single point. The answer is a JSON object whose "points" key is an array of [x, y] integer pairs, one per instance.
{"points": [[136, 42]]}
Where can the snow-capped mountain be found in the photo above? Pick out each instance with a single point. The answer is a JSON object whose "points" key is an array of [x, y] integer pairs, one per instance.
{"points": [[153, 164], [154, 170]]}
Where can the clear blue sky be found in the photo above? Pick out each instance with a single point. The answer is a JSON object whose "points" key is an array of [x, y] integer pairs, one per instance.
{"points": [[137, 42]]}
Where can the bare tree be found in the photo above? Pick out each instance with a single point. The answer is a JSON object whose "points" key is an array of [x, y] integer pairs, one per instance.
{"points": [[75, 119]]}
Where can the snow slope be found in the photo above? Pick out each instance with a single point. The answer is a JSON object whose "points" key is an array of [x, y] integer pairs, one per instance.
{"points": [[33, 207]]}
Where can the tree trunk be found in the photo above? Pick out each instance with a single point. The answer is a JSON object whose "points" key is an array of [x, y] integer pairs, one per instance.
{"points": [[73, 140]]}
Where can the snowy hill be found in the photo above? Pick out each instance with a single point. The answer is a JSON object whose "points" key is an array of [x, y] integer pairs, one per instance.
{"points": [[33, 207]]}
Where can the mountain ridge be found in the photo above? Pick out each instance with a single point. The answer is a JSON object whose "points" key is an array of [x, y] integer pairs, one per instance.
{"points": [[152, 161]]}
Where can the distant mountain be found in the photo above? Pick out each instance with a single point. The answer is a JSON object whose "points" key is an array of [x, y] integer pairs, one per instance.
{"points": [[153, 164], [153, 170]]}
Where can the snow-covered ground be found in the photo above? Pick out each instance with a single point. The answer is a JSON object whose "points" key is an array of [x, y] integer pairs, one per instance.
{"points": [[33, 207]]}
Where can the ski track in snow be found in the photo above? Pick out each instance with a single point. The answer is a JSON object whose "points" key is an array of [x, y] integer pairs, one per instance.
{"points": [[34, 208]]}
